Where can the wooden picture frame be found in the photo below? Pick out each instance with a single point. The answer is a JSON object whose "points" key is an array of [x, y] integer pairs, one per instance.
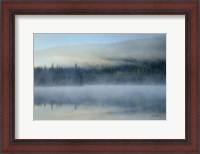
{"points": [[12, 8]]}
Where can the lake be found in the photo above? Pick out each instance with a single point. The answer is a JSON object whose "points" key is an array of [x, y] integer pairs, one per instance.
{"points": [[100, 102]]}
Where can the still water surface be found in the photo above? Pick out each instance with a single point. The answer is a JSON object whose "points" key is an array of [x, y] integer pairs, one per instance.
{"points": [[120, 102]]}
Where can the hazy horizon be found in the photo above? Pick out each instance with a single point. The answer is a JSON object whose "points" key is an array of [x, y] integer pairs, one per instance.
{"points": [[66, 50]]}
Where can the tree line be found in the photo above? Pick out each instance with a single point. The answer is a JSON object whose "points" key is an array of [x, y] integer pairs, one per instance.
{"points": [[144, 72]]}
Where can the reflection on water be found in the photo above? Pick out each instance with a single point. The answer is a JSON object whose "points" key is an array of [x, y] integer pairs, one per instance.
{"points": [[100, 103]]}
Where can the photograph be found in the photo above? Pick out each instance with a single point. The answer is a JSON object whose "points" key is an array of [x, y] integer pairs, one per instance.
{"points": [[99, 76]]}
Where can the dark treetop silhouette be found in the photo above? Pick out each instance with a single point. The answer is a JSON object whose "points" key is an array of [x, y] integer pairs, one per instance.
{"points": [[137, 72]]}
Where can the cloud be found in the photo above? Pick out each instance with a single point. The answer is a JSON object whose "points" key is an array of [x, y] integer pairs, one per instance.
{"points": [[103, 54]]}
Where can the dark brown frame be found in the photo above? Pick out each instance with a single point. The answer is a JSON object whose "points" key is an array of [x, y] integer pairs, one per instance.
{"points": [[7, 67]]}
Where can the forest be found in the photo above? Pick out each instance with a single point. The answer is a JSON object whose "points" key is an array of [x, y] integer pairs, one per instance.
{"points": [[139, 72]]}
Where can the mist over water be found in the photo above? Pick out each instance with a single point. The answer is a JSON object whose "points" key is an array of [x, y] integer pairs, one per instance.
{"points": [[100, 76], [100, 102]]}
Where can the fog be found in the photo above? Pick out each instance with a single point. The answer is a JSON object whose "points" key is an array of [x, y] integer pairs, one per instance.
{"points": [[101, 54], [100, 102]]}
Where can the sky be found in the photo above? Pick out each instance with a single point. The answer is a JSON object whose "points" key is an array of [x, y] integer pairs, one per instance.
{"points": [[96, 49], [44, 41]]}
